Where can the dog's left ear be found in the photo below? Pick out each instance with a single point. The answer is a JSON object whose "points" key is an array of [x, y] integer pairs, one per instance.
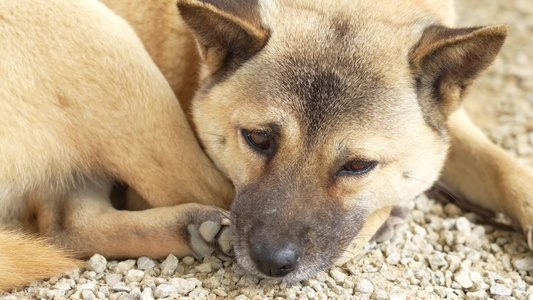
{"points": [[227, 31], [446, 61]]}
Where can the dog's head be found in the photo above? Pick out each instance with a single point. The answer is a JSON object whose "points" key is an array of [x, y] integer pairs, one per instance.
{"points": [[322, 112]]}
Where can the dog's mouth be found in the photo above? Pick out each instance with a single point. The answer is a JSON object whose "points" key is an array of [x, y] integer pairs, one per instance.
{"points": [[294, 249]]}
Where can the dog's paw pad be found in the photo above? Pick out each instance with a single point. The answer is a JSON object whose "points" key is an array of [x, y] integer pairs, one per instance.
{"points": [[211, 238], [209, 230], [198, 243], [397, 216], [226, 245]]}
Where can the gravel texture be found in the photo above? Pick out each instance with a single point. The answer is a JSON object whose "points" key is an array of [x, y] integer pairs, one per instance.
{"points": [[440, 252]]}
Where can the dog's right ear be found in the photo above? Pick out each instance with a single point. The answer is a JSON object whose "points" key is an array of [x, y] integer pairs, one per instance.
{"points": [[228, 32], [446, 61]]}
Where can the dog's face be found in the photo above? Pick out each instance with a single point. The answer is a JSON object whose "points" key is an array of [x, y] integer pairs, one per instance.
{"points": [[319, 118]]}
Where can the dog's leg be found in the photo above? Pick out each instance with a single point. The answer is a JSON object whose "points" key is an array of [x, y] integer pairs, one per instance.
{"points": [[85, 223], [158, 155], [486, 175]]}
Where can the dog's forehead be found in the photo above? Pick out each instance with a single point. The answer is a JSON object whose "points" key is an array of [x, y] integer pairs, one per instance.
{"points": [[325, 67]]}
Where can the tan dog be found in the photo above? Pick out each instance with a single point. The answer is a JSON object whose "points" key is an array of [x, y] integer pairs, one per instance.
{"points": [[319, 112]]}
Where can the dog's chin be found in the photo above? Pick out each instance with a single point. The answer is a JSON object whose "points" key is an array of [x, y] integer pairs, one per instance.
{"points": [[304, 271]]}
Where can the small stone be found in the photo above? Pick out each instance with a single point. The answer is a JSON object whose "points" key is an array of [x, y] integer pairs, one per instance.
{"points": [[204, 268], [97, 263], [124, 266], [88, 295], [121, 287], [164, 290], [134, 276], [452, 210], [169, 266], [182, 286], [198, 293], [62, 286], [524, 263], [394, 258], [145, 263], [219, 293], [135, 294], [380, 295], [463, 225], [475, 277], [479, 295], [91, 286], [112, 279], [188, 260], [364, 286], [147, 294], [337, 275], [500, 290], [437, 260], [463, 279]]}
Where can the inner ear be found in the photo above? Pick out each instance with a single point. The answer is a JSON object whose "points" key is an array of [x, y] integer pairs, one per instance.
{"points": [[446, 61], [227, 32]]}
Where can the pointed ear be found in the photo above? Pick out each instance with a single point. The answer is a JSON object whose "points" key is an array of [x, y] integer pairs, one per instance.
{"points": [[228, 32], [446, 61]]}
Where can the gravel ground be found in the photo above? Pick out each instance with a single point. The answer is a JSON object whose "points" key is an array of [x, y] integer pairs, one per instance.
{"points": [[440, 252]]}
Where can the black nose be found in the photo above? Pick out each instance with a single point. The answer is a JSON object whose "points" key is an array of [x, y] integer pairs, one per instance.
{"points": [[275, 261]]}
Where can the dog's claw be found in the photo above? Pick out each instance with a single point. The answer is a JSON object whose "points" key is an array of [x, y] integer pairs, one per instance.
{"points": [[529, 237]]}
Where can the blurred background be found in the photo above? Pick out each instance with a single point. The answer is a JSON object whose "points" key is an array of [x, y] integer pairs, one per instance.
{"points": [[501, 101]]}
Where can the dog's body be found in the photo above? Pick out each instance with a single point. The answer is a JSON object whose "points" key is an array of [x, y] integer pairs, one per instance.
{"points": [[318, 122]]}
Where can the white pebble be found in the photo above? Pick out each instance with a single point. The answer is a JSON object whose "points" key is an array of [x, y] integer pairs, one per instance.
{"points": [[134, 276], [124, 266], [88, 295], [183, 286], [204, 268], [500, 290], [463, 279], [188, 260], [394, 258], [147, 294], [97, 263], [463, 225], [364, 286], [380, 295], [169, 266], [112, 279], [164, 290], [479, 295], [198, 293], [337, 274], [145, 263], [437, 260], [524, 263]]}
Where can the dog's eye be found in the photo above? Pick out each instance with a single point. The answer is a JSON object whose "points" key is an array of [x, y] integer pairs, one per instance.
{"points": [[259, 140], [357, 167]]}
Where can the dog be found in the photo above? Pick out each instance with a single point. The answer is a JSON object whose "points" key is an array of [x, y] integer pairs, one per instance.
{"points": [[304, 118]]}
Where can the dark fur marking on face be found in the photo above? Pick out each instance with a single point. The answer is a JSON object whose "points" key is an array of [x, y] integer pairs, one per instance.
{"points": [[324, 89]]}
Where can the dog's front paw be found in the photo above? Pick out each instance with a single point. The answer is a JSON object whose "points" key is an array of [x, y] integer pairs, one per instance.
{"points": [[211, 235], [397, 216]]}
